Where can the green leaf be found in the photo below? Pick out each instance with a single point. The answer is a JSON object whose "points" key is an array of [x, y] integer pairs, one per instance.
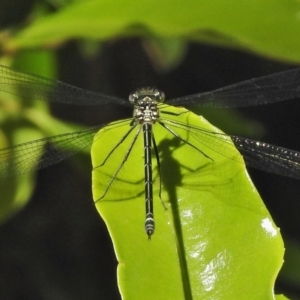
{"points": [[214, 240], [250, 24]]}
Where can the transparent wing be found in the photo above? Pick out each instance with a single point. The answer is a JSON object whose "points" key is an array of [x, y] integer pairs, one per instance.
{"points": [[29, 86], [38, 154], [256, 154], [269, 158], [262, 90]]}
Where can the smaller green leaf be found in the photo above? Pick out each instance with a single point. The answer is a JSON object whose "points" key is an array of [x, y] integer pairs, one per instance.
{"points": [[165, 53], [214, 238], [281, 297], [20, 123]]}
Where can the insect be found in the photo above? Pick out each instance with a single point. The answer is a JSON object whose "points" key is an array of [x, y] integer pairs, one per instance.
{"points": [[147, 113]]}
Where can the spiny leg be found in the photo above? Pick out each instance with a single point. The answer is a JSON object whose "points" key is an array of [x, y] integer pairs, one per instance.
{"points": [[116, 146], [121, 165], [183, 140]]}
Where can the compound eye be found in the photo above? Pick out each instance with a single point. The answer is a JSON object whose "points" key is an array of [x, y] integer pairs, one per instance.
{"points": [[133, 97], [161, 96]]}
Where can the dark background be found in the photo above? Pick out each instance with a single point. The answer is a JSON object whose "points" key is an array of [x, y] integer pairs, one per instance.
{"points": [[58, 247]]}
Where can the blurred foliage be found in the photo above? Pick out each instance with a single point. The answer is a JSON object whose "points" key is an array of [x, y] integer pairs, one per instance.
{"points": [[290, 269], [253, 25], [22, 121]]}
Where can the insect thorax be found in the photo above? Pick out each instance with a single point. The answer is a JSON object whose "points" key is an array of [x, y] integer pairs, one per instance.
{"points": [[145, 103], [146, 111]]}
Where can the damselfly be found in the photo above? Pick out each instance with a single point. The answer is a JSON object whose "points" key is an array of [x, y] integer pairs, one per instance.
{"points": [[147, 113]]}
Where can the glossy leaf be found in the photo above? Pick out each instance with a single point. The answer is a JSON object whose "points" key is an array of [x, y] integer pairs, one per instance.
{"points": [[214, 238]]}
